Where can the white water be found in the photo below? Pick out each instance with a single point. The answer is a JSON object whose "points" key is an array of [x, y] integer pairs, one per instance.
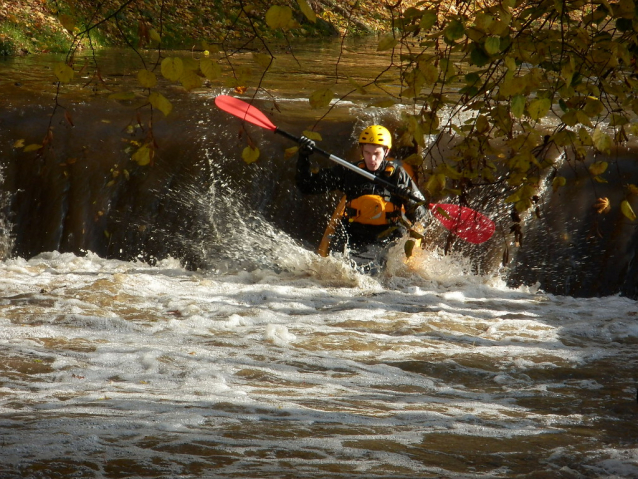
{"points": [[115, 369]]}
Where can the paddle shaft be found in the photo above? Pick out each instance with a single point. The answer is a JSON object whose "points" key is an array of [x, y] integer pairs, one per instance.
{"points": [[346, 164]]}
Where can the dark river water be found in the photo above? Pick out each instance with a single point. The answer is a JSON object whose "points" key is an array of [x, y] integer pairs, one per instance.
{"points": [[173, 321]]}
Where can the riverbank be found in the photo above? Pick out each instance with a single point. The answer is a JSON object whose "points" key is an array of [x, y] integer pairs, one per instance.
{"points": [[41, 26]]}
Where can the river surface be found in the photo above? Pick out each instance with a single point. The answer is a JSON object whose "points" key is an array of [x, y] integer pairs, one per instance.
{"points": [[179, 324]]}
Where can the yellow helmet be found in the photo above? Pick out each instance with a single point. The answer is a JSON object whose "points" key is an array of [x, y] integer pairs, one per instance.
{"points": [[376, 135]]}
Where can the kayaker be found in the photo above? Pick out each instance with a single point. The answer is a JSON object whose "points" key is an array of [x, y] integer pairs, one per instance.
{"points": [[371, 220]]}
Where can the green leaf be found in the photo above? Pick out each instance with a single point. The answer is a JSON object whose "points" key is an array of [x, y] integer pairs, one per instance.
{"points": [[493, 45], [211, 69], [321, 98], [517, 105], [307, 11], [539, 108], [250, 154], [172, 68], [64, 72], [160, 102], [387, 42], [428, 20], [454, 30], [147, 78]]}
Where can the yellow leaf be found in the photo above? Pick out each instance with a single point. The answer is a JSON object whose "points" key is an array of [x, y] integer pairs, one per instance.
{"points": [[627, 210], [387, 42], [278, 17], [68, 22], [143, 155], [122, 95], [598, 168], [146, 78], [290, 152], [211, 69], [539, 108], [250, 154], [558, 182], [160, 102], [19, 144], [63, 71], [321, 98], [190, 80], [263, 60], [313, 135], [172, 68], [32, 147], [307, 11], [602, 141], [155, 37]]}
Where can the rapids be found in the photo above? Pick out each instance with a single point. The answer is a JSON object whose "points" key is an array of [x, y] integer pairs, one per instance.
{"points": [[173, 320], [120, 369]]}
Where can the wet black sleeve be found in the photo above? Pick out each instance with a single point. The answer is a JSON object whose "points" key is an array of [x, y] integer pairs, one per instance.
{"points": [[415, 211], [325, 180]]}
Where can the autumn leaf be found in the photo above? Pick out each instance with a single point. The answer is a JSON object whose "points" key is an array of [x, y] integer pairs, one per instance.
{"points": [[602, 205], [558, 182], [539, 108], [68, 22], [602, 141], [160, 102], [307, 11], [598, 168], [210, 69], [627, 210], [172, 68], [190, 80], [321, 98], [19, 144], [278, 17], [313, 135], [32, 147], [263, 60], [517, 105], [492, 45], [146, 78], [387, 42], [250, 154], [122, 95], [143, 155], [64, 72]]}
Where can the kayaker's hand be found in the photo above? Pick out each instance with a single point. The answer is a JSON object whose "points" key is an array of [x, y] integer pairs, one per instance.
{"points": [[306, 146]]}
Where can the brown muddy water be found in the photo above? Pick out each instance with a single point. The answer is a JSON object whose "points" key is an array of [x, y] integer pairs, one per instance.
{"points": [[238, 352]]}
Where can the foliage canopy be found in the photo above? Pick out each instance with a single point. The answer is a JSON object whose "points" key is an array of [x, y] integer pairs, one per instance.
{"points": [[515, 84]]}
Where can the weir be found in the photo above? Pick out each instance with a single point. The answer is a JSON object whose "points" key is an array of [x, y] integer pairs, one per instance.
{"points": [[85, 193]]}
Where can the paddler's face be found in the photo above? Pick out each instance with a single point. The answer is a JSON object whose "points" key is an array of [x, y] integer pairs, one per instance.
{"points": [[373, 155]]}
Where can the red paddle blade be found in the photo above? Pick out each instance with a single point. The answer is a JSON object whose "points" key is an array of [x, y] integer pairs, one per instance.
{"points": [[243, 110], [464, 222]]}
